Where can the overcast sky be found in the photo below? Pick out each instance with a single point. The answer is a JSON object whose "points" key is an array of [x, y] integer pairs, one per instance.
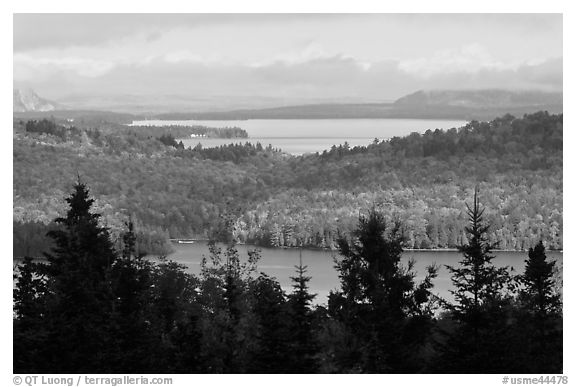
{"points": [[345, 56]]}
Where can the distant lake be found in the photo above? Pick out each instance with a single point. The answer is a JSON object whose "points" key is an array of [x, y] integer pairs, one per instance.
{"points": [[279, 263], [311, 135]]}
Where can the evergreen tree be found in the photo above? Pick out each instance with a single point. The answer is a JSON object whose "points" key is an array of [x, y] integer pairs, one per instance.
{"points": [[229, 337], [29, 308], [174, 319], [269, 306], [302, 346], [481, 306], [81, 300], [379, 305], [540, 315], [539, 294], [75, 295], [90, 310], [29, 291], [132, 284], [476, 279]]}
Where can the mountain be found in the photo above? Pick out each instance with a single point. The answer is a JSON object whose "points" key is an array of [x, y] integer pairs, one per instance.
{"points": [[424, 104], [431, 104], [478, 99], [312, 111], [28, 101]]}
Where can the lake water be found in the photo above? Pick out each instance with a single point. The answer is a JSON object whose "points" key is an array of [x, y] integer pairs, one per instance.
{"points": [[304, 136], [280, 263]]}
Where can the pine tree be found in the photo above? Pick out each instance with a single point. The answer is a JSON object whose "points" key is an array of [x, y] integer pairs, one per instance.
{"points": [[539, 294], [540, 315], [481, 305], [29, 331], [81, 298], [29, 291], [82, 244], [379, 305], [74, 293], [476, 279], [273, 354], [229, 327], [132, 284], [302, 347]]}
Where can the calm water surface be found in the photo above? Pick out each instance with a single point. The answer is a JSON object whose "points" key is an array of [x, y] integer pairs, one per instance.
{"points": [[303, 136], [280, 263]]}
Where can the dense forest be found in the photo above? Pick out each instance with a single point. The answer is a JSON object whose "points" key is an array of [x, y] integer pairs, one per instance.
{"points": [[89, 307], [275, 199], [61, 127], [184, 131]]}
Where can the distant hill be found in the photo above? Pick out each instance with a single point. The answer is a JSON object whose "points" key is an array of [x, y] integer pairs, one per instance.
{"points": [[432, 104], [28, 101], [290, 112], [424, 104], [479, 99]]}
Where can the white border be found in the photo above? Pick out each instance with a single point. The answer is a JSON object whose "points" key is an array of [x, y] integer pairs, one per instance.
{"points": [[261, 6]]}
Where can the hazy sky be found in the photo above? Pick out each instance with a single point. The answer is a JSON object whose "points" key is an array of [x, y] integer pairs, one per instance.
{"points": [[292, 56]]}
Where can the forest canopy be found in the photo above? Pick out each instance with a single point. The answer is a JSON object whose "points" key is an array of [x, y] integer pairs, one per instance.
{"points": [[277, 199], [92, 308]]}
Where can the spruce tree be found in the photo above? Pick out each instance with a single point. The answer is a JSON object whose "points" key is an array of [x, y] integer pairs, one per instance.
{"points": [[132, 285], [302, 346], [82, 245], [29, 330], [379, 304], [79, 278], [540, 315], [539, 294], [476, 279], [481, 304], [29, 291], [229, 335], [70, 298], [273, 354]]}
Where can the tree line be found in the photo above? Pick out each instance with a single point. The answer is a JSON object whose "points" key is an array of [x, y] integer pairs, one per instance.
{"points": [[59, 127], [91, 308]]}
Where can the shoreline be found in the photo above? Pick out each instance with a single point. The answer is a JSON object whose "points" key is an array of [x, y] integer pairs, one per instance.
{"points": [[176, 242]]}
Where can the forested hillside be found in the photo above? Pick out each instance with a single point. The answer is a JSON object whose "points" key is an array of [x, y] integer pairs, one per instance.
{"points": [[89, 307], [282, 200]]}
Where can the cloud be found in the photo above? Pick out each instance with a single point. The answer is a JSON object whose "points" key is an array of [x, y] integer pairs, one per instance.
{"points": [[332, 78], [26, 66], [297, 57], [546, 76], [548, 73], [467, 59], [39, 31], [311, 52]]}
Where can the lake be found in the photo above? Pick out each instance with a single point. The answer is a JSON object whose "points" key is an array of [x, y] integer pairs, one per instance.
{"points": [[280, 263], [299, 136]]}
